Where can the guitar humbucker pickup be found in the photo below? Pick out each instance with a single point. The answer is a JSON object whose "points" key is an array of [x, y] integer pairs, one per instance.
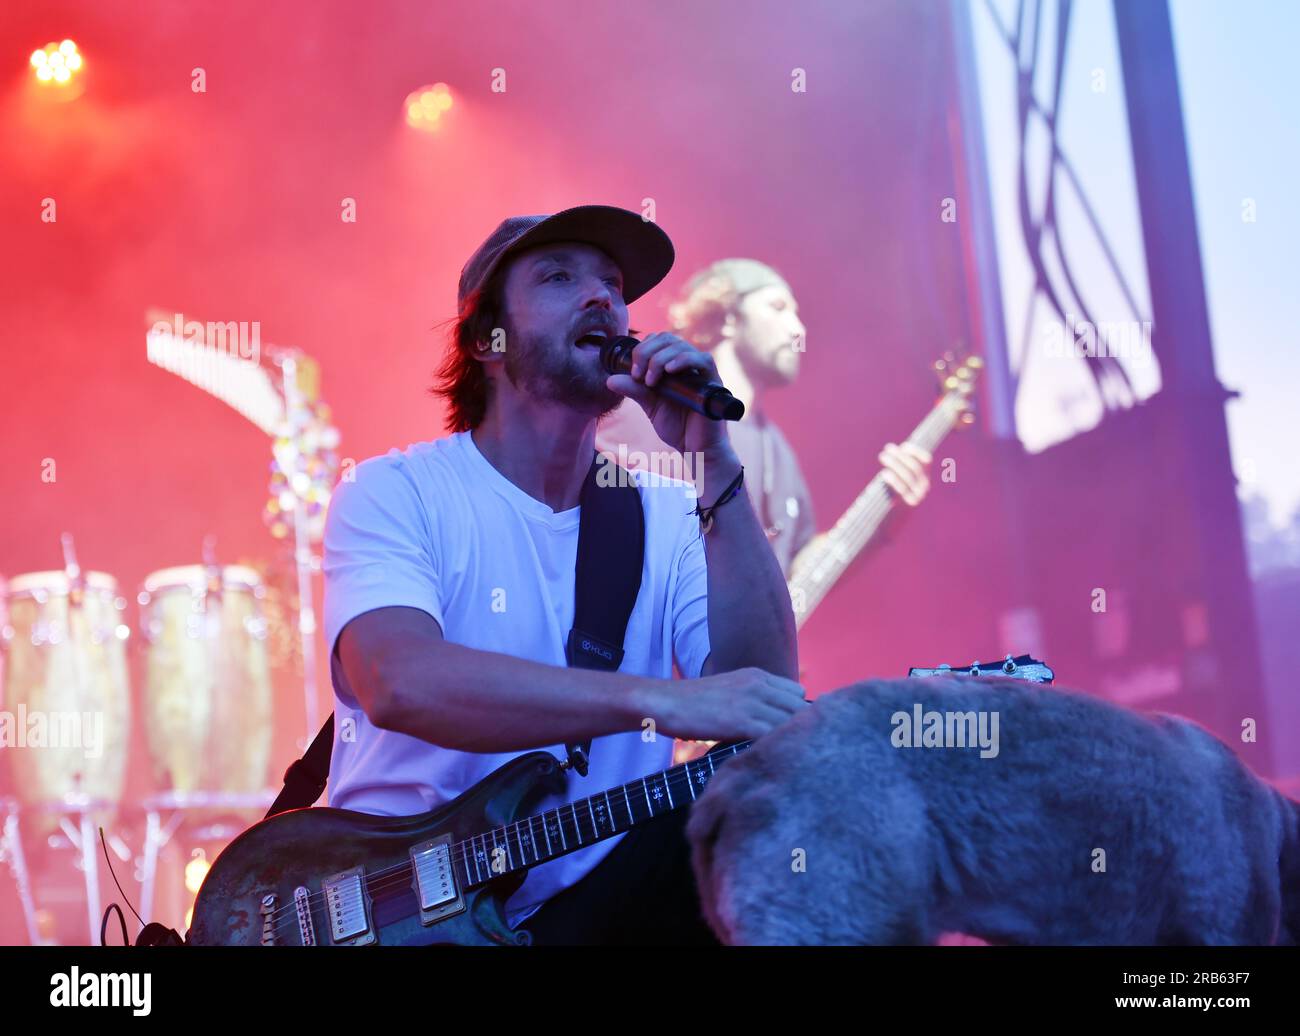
{"points": [[348, 907], [434, 880]]}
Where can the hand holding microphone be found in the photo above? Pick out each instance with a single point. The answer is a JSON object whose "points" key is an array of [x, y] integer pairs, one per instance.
{"points": [[677, 386], [676, 370]]}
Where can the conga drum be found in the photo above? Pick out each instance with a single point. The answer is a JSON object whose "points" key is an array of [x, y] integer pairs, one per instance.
{"points": [[66, 698], [207, 696]]}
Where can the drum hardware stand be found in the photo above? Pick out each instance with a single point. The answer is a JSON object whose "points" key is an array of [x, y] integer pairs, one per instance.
{"points": [[299, 419], [164, 815], [80, 834], [76, 597], [277, 389], [74, 816], [11, 851], [213, 581], [76, 581]]}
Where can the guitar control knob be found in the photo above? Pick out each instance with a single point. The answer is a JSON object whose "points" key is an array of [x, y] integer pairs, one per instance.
{"points": [[975, 668], [1009, 666]]}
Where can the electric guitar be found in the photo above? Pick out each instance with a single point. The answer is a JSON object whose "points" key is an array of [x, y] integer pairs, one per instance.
{"points": [[824, 560], [334, 877]]}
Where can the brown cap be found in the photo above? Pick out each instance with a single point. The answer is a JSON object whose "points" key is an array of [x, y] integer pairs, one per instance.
{"points": [[642, 251]]}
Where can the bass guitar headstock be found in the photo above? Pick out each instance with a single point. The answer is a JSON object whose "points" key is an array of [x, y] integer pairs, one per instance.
{"points": [[957, 378], [1022, 667]]}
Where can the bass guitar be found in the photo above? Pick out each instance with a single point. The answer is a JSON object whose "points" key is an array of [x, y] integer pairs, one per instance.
{"points": [[819, 566]]}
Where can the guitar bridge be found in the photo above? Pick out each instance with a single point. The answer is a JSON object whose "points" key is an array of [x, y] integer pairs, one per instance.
{"points": [[348, 908], [269, 902], [302, 905], [435, 880]]}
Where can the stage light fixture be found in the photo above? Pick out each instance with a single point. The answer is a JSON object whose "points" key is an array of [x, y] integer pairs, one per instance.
{"points": [[56, 63], [424, 107]]}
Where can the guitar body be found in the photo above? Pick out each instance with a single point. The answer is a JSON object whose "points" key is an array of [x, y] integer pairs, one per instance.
{"points": [[254, 894]]}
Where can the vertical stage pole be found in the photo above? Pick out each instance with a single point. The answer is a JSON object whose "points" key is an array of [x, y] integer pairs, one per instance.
{"points": [[1181, 340]]}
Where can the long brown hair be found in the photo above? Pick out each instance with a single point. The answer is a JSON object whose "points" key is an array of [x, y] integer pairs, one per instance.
{"points": [[461, 379]]}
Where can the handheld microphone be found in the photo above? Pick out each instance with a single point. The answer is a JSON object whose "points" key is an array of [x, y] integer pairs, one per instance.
{"points": [[689, 388]]}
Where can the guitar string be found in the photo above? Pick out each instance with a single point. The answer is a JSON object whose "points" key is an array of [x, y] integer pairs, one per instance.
{"points": [[392, 880], [856, 530], [928, 434], [398, 874], [852, 530], [869, 508]]}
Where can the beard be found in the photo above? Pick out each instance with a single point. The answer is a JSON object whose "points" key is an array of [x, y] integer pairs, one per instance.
{"points": [[784, 366], [775, 369], [562, 374]]}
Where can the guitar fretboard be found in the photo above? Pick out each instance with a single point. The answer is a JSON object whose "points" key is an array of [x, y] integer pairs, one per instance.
{"points": [[575, 825], [847, 538]]}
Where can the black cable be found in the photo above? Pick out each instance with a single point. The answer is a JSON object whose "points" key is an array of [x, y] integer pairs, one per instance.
{"points": [[103, 925]]}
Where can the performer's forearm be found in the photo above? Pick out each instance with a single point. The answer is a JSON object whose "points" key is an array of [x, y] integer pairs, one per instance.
{"points": [[751, 622], [407, 678]]}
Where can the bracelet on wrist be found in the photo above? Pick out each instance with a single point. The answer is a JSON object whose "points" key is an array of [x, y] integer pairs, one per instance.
{"points": [[705, 514]]}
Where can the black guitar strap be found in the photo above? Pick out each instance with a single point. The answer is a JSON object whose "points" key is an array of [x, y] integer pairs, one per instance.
{"points": [[611, 549], [306, 778]]}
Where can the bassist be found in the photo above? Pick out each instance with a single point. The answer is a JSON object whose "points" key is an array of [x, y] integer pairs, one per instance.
{"points": [[743, 312]]}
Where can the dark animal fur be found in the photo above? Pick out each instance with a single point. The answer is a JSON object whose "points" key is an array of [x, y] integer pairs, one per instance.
{"points": [[902, 844]]}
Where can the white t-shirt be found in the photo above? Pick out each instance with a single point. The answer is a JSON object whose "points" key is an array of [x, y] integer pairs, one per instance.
{"points": [[437, 527]]}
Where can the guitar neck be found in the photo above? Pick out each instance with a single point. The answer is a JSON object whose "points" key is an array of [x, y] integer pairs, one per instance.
{"points": [[575, 825], [849, 536]]}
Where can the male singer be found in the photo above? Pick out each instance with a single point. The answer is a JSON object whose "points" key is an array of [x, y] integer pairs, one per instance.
{"points": [[449, 580]]}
